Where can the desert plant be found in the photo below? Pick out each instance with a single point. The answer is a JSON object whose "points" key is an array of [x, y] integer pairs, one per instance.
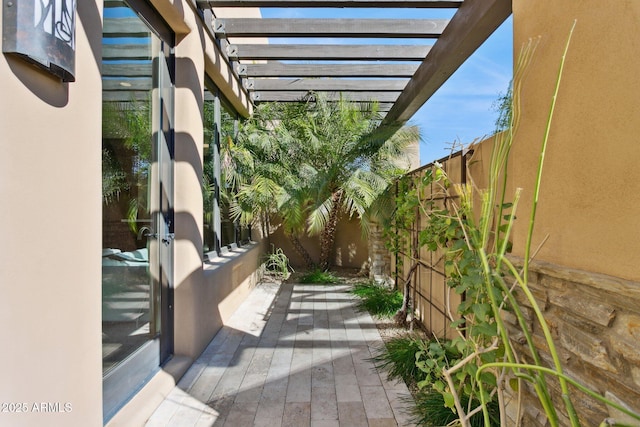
{"points": [[419, 363], [277, 263], [475, 247], [377, 299]]}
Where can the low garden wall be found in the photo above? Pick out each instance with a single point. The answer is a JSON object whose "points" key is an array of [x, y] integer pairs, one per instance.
{"points": [[595, 324]]}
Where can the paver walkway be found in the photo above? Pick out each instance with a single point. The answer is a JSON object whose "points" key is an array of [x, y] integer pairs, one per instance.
{"points": [[291, 355]]}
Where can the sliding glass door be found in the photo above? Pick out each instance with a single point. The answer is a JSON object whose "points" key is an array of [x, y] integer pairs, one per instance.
{"points": [[137, 183]]}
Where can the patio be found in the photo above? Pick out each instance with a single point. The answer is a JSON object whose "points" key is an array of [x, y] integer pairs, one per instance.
{"points": [[291, 355]]}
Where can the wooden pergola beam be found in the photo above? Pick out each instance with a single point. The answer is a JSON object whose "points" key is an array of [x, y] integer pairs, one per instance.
{"points": [[343, 28], [294, 96], [429, 4], [384, 107], [126, 51], [472, 24], [125, 27], [277, 69], [115, 3], [328, 52], [332, 85], [126, 69]]}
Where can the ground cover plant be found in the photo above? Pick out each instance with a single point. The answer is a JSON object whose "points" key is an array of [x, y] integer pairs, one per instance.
{"points": [[322, 277], [379, 300], [431, 411], [398, 359]]}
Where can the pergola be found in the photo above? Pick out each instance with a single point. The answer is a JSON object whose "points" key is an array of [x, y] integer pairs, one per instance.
{"points": [[400, 77]]}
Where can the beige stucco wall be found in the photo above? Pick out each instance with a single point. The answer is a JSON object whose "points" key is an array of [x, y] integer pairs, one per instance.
{"points": [[591, 180], [50, 192], [189, 140], [197, 293], [50, 210], [350, 248]]}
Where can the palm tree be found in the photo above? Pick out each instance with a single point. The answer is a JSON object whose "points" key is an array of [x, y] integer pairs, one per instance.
{"points": [[325, 159]]}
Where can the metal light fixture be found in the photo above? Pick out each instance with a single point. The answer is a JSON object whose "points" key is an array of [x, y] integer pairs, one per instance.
{"points": [[43, 33]]}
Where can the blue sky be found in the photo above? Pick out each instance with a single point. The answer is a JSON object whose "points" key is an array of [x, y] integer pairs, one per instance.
{"points": [[462, 109]]}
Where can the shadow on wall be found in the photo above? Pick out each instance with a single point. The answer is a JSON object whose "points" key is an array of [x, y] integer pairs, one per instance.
{"points": [[350, 250], [47, 87]]}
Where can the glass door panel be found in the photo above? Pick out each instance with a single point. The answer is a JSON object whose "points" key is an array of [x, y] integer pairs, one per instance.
{"points": [[137, 182]]}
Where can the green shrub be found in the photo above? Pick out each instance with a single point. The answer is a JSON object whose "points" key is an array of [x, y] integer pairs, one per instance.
{"points": [[398, 359], [430, 410], [378, 300], [320, 277]]}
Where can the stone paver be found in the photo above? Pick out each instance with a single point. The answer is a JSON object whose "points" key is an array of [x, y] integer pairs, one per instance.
{"points": [[292, 355]]}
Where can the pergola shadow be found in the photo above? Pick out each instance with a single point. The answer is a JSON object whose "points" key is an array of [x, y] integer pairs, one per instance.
{"points": [[291, 355]]}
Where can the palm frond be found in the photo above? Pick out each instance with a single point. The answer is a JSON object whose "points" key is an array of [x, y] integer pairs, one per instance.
{"points": [[295, 156], [319, 216]]}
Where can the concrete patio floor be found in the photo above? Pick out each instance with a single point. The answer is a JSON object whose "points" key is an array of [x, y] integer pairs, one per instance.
{"points": [[291, 355]]}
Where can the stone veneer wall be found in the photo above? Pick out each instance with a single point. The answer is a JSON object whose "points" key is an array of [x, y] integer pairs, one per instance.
{"points": [[379, 255], [595, 322]]}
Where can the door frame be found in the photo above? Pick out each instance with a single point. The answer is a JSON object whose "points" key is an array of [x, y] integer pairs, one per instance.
{"points": [[122, 382]]}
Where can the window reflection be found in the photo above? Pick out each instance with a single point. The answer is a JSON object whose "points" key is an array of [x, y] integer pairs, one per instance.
{"points": [[126, 164], [220, 230]]}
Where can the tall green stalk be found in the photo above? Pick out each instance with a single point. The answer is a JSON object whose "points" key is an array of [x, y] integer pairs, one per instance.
{"points": [[501, 153], [476, 262], [495, 240], [527, 258], [567, 379]]}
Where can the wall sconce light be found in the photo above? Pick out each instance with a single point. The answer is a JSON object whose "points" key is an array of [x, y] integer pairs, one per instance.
{"points": [[42, 32]]}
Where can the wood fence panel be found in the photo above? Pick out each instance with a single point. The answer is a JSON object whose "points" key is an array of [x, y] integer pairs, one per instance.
{"points": [[434, 303]]}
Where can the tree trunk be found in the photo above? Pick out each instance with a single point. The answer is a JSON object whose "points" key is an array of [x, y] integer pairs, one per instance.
{"points": [[328, 235], [297, 245], [402, 314]]}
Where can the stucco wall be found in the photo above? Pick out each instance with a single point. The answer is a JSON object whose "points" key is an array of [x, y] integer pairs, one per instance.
{"points": [[50, 210], [591, 180], [197, 292], [350, 249], [50, 262]]}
